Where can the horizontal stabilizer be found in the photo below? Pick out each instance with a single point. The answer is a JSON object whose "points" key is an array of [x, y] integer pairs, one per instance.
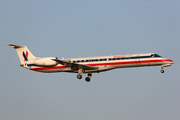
{"points": [[15, 46]]}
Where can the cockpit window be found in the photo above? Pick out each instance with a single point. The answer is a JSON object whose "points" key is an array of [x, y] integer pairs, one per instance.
{"points": [[155, 55]]}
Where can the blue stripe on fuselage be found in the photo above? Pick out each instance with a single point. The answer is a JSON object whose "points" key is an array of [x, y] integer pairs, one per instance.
{"points": [[122, 58], [29, 65]]}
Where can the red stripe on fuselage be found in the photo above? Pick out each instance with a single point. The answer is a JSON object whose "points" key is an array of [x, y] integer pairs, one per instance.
{"points": [[48, 68], [130, 62], [109, 63]]}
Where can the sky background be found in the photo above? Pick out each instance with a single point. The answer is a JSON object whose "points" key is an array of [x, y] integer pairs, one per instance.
{"points": [[73, 28]]}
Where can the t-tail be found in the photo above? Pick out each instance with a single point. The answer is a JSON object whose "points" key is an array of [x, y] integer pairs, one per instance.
{"points": [[28, 60], [23, 52]]}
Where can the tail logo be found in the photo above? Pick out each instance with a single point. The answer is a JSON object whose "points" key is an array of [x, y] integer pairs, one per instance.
{"points": [[25, 56]]}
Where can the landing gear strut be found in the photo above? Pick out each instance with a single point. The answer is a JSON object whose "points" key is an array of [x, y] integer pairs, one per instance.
{"points": [[80, 72], [162, 71], [88, 78], [79, 76]]}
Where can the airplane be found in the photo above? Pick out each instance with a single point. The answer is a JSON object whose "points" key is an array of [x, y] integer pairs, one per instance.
{"points": [[88, 65]]}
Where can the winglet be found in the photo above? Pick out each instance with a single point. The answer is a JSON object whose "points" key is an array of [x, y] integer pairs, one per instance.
{"points": [[14, 46]]}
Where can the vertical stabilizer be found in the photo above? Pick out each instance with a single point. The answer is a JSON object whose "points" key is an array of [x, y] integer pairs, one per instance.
{"points": [[23, 53]]}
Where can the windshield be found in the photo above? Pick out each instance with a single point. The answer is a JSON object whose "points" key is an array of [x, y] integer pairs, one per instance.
{"points": [[155, 55]]}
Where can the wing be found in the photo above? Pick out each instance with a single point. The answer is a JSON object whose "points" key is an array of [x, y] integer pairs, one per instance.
{"points": [[74, 65]]}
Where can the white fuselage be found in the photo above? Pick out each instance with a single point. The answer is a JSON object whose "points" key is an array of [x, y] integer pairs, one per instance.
{"points": [[88, 65], [105, 63]]}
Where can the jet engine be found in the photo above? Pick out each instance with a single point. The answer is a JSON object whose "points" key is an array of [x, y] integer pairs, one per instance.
{"points": [[45, 62]]}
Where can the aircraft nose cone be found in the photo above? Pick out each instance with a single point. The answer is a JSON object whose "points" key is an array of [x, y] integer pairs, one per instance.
{"points": [[172, 61]]}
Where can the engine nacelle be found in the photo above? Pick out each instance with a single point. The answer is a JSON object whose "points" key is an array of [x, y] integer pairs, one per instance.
{"points": [[45, 62]]}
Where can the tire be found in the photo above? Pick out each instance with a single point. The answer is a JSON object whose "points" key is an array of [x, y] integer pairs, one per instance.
{"points": [[79, 76], [162, 71], [88, 79]]}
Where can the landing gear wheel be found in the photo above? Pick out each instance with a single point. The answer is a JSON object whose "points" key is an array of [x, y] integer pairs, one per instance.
{"points": [[162, 71], [87, 79], [79, 76]]}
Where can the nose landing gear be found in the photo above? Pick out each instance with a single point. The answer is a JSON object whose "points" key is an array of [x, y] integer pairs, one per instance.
{"points": [[162, 71], [165, 65]]}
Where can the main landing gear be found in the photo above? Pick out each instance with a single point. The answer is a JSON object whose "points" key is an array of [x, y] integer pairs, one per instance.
{"points": [[88, 78], [80, 72], [79, 76]]}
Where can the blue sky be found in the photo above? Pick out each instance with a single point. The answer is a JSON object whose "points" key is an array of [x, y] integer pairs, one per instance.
{"points": [[90, 28]]}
